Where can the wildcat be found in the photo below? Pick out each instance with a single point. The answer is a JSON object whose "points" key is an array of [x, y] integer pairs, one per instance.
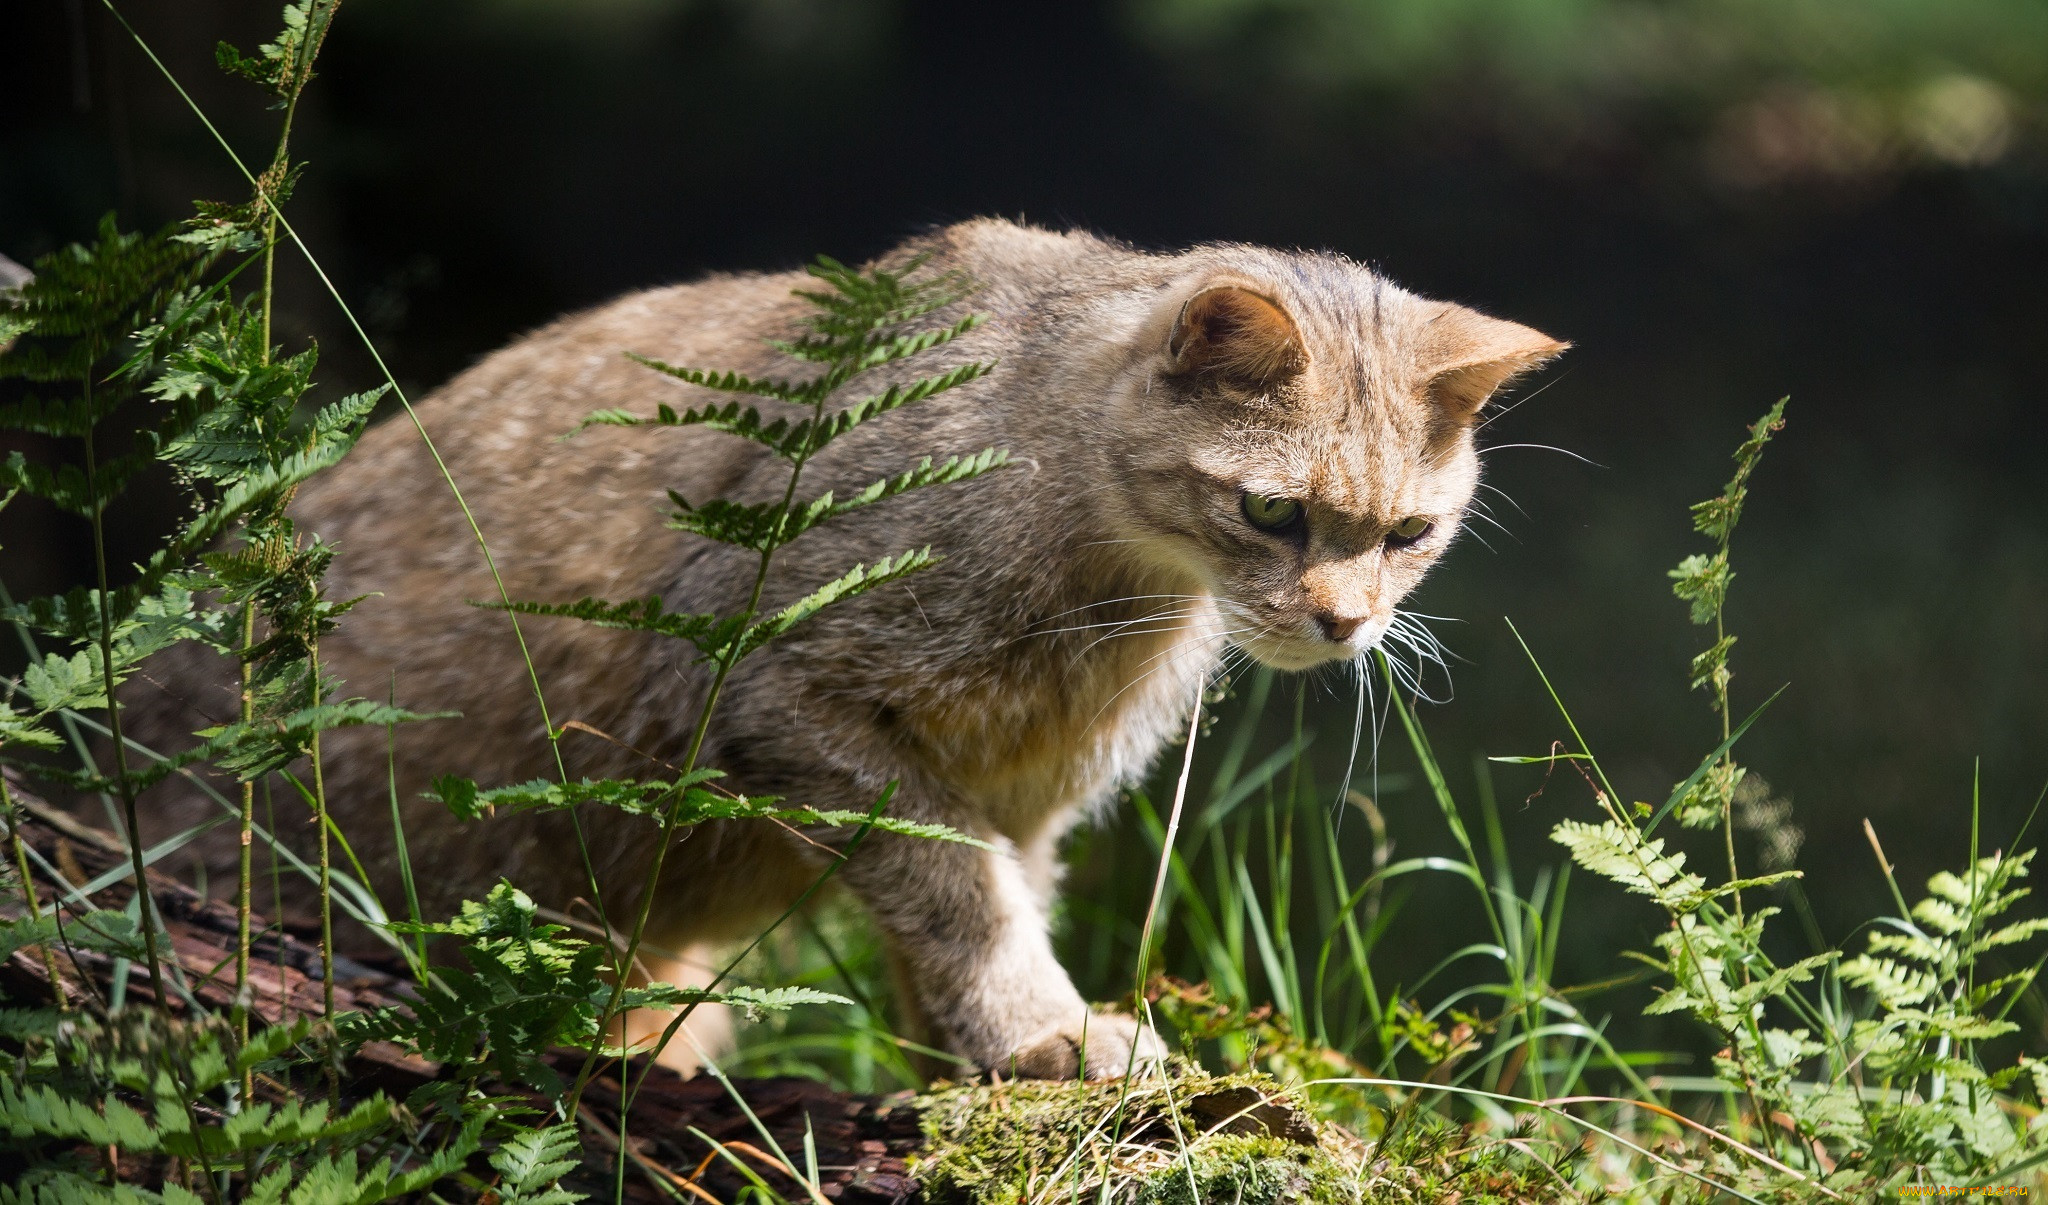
{"points": [[1230, 447]]}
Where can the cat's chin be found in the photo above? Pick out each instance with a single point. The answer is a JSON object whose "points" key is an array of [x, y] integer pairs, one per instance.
{"points": [[1297, 655]]}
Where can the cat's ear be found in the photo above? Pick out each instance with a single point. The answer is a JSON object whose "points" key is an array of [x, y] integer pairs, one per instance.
{"points": [[1465, 356], [1234, 333]]}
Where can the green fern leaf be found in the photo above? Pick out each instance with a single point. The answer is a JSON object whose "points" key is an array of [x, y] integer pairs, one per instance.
{"points": [[751, 1000], [1895, 984], [531, 1164], [18, 730], [638, 797], [1623, 856], [801, 392], [764, 526], [1702, 581], [2009, 934], [898, 396], [1917, 947], [57, 682], [66, 487], [37, 1111], [267, 1044], [1940, 914], [71, 416], [886, 824], [75, 615], [1771, 986], [858, 580], [112, 932], [259, 747], [709, 633], [1790, 1049], [946, 472], [655, 797], [879, 350], [758, 527], [59, 1185]]}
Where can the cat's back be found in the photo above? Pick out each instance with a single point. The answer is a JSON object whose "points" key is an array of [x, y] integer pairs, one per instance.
{"points": [[502, 430], [499, 426]]}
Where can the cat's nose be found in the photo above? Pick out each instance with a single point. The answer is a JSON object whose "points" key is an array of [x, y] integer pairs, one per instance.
{"points": [[1338, 628]]}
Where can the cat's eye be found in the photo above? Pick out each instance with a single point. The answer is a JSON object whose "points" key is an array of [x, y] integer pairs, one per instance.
{"points": [[1271, 514], [1409, 530]]}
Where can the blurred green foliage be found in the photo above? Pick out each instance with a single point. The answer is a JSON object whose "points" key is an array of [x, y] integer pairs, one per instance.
{"points": [[1777, 85]]}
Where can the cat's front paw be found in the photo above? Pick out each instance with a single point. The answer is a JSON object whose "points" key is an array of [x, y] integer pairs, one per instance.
{"points": [[1105, 1045]]}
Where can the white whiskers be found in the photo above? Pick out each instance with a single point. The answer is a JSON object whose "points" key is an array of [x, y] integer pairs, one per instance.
{"points": [[1543, 447], [1407, 637]]}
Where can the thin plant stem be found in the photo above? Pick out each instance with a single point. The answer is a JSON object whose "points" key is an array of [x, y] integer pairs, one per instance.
{"points": [[326, 881], [245, 881], [1728, 758], [1172, 830], [28, 893], [412, 895], [1180, 795], [245, 871]]}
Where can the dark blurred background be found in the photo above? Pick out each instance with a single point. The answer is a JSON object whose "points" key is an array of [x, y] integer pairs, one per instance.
{"points": [[1718, 202]]}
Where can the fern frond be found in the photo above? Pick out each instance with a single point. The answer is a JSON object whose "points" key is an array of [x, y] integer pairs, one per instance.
{"points": [[60, 1185], [75, 615], [787, 438], [465, 799], [531, 1164], [897, 396], [858, 580], [1916, 947], [752, 1000], [946, 472], [1623, 856], [84, 299], [2009, 934], [57, 682], [877, 350], [800, 392], [339, 419], [658, 798], [709, 633], [764, 526], [334, 1180], [21, 731], [100, 929], [265, 1045], [254, 749], [292, 1123], [758, 527], [66, 486], [57, 416], [37, 1111], [1895, 984], [1939, 914]]}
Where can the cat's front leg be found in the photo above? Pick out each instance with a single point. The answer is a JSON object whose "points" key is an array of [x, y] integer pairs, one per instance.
{"points": [[970, 936]]}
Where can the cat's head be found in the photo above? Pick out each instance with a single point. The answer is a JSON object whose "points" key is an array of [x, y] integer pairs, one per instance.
{"points": [[1299, 439]]}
